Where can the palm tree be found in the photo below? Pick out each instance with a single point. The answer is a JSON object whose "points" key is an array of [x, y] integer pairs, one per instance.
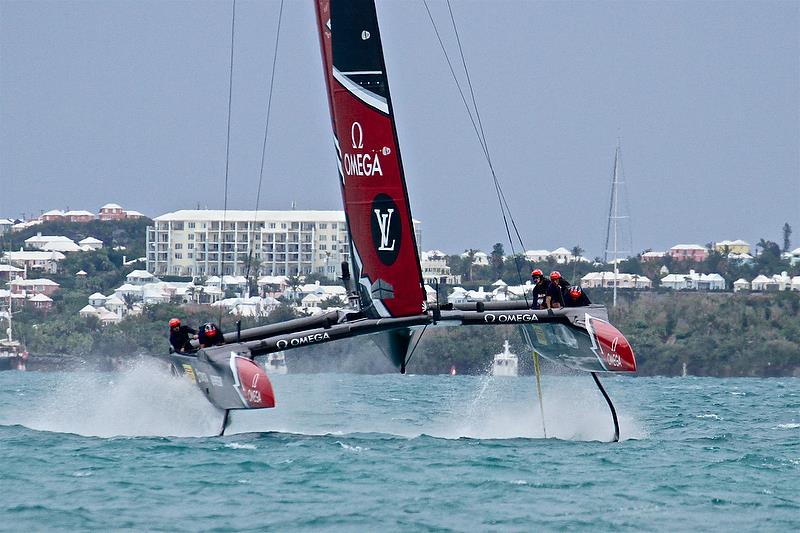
{"points": [[577, 253]]}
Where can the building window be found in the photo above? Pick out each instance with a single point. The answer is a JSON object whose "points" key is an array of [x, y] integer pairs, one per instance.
{"points": [[191, 236], [178, 246], [178, 256], [190, 246], [323, 226], [323, 247], [191, 225]]}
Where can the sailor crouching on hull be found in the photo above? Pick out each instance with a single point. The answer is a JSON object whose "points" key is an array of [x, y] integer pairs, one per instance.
{"points": [[180, 336]]}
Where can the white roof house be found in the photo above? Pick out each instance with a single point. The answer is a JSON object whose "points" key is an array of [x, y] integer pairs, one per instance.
{"points": [[561, 255], [764, 283], [796, 283], [694, 281], [88, 311], [140, 277], [45, 261], [111, 206], [537, 256], [97, 300], [90, 243], [741, 284], [51, 242], [61, 246], [594, 280]]}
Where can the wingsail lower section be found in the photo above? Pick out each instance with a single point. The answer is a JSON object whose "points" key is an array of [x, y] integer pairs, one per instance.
{"points": [[382, 242]]}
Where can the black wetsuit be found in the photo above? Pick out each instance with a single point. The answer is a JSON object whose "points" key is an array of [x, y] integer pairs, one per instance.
{"points": [[537, 296], [581, 301], [207, 340], [180, 339], [555, 293]]}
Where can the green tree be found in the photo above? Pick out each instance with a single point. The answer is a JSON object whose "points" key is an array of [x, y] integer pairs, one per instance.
{"points": [[497, 260], [787, 234]]}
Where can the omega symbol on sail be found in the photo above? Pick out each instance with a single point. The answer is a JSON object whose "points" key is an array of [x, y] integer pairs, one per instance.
{"points": [[386, 228], [359, 163]]}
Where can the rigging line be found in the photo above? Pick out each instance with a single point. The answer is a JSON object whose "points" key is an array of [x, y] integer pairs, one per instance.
{"points": [[485, 144], [264, 146], [455, 78], [227, 156]]}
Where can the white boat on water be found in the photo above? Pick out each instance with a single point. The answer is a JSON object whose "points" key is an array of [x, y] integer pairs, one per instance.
{"points": [[276, 364], [505, 363]]}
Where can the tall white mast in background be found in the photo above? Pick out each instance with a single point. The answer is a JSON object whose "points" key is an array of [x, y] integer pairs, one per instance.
{"points": [[613, 231]]}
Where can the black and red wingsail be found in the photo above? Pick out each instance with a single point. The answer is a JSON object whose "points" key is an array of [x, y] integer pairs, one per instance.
{"points": [[382, 241]]}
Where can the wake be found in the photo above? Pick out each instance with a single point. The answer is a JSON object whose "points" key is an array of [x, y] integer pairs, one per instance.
{"points": [[143, 401]]}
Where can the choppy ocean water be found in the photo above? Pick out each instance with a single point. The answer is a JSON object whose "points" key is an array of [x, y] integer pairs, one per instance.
{"points": [[341, 452]]}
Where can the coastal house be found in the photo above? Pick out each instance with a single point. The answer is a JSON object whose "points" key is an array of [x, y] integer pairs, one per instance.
{"points": [[605, 280], [741, 284], [97, 300], [90, 243], [435, 270], [561, 255], [33, 286], [478, 258], [738, 247], [9, 272], [653, 256], [39, 241], [764, 283], [111, 212], [40, 261], [79, 216], [54, 215], [40, 302], [795, 286], [129, 213], [794, 256], [5, 225], [694, 281], [688, 252], [140, 277], [457, 296]]}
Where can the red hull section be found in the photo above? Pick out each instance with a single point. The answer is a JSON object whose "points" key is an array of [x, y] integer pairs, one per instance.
{"points": [[254, 385], [383, 244], [610, 346]]}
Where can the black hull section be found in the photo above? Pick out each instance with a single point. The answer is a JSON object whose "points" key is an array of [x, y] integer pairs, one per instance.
{"points": [[227, 376]]}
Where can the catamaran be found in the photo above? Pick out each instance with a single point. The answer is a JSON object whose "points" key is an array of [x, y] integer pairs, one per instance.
{"points": [[386, 291]]}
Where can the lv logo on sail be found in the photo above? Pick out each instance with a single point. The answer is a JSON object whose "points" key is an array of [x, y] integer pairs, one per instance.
{"points": [[384, 223]]}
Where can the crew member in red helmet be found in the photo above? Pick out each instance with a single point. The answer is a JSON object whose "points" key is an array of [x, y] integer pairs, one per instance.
{"points": [[180, 336], [554, 296], [539, 289], [210, 335], [576, 297]]}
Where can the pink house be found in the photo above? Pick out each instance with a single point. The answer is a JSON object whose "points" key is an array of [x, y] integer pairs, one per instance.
{"points": [[33, 286], [52, 216], [688, 252], [79, 216], [111, 212]]}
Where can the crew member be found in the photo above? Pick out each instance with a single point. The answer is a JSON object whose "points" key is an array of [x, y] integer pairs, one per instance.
{"points": [[180, 336], [539, 288], [210, 335], [575, 297], [554, 297]]}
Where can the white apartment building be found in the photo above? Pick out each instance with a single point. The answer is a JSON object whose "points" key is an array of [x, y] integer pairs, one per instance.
{"points": [[217, 243]]}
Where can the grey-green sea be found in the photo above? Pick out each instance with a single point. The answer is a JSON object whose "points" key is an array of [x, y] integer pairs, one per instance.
{"points": [[135, 451]]}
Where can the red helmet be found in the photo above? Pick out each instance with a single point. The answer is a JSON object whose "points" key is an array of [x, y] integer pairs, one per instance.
{"points": [[575, 292], [536, 272], [174, 323], [554, 275], [210, 329]]}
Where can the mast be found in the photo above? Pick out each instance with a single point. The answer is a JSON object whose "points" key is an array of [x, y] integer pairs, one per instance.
{"points": [[614, 218]]}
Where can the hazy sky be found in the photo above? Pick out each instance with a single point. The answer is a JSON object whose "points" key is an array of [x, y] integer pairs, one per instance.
{"points": [[126, 101]]}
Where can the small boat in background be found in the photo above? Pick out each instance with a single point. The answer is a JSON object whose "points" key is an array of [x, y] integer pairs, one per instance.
{"points": [[12, 353], [505, 363]]}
